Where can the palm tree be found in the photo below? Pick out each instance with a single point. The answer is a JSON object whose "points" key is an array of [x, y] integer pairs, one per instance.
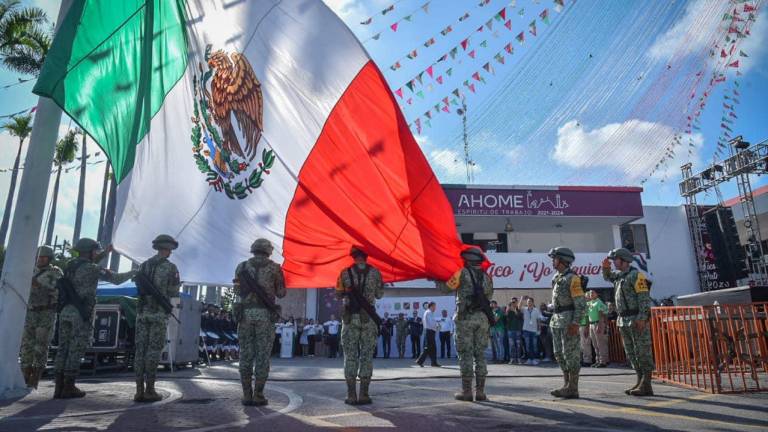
{"points": [[23, 41], [19, 127], [81, 190], [66, 149]]}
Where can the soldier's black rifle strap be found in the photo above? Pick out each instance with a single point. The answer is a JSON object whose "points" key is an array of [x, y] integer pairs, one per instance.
{"points": [[479, 293], [252, 286], [357, 292]]}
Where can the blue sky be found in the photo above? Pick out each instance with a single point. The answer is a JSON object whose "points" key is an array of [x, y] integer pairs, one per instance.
{"points": [[594, 98]]}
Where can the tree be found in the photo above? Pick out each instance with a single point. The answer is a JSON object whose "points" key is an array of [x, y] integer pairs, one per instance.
{"points": [[24, 42], [81, 190], [66, 149], [19, 127]]}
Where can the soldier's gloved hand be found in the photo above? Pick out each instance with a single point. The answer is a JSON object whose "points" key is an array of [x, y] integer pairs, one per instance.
{"points": [[607, 263], [573, 330]]}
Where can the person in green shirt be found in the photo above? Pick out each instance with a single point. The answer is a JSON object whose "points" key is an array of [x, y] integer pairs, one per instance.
{"points": [[587, 357], [597, 312], [497, 332]]}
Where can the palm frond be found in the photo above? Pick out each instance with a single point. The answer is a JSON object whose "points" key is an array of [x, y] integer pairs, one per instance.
{"points": [[20, 126], [66, 149]]}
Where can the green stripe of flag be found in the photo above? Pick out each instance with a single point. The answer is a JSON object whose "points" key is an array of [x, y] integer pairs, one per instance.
{"points": [[110, 67]]}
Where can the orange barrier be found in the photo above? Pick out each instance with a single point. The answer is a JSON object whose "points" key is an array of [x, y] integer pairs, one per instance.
{"points": [[717, 349], [615, 344]]}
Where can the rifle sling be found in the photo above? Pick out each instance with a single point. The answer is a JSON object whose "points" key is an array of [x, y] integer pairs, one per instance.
{"points": [[356, 292], [253, 286]]}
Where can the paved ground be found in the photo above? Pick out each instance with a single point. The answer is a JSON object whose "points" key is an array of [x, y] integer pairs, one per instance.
{"points": [[306, 395]]}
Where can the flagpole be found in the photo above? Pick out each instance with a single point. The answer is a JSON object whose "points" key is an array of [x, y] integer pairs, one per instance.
{"points": [[25, 231]]}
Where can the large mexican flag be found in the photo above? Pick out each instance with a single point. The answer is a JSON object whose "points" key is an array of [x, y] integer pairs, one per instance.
{"points": [[226, 121]]}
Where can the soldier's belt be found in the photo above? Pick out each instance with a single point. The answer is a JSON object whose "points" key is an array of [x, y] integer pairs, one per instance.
{"points": [[561, 309], [41, 308], [628, 313]]}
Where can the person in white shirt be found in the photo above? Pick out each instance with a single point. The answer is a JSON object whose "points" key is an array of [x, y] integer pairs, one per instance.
{"points": [[446, 330], [431, 326], [311, 330], [531, 331], [333, 336]]}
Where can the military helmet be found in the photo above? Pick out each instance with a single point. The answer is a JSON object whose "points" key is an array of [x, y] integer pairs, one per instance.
{"points": [[45, 251], [262, 245], [357, 251], [164, 241], [622, 254], [85, 245], [472, 254], [564, 254]]}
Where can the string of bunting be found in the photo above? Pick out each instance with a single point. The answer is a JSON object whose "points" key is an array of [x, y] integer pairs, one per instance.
{"points": [[396, 25], [413, 54], [65, 170], [384, 12], [728, 56], [28, 110], [476, 78], [17, 83]]}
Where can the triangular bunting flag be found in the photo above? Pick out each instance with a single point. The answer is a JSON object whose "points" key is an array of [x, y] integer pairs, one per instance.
{"points": [[742, 54], [430, 71], [559, 5], [723, 54], [388, 10], [489, 24], [429, 43], [420, 94], [544, 15], [366, 22], [499, 58], [376, 36], [521, 12], [734, 64], [508, 25], [488, 68], [532, 27], [472, 53], [443, 58], [484, 44], [408, 18], [446, 109], [472, 87], [521, 37], [399, 92], [446, 30], [445, 100], [456, 92], [393, 27], [449, 72], [503, 13], [439, 79], [476, 76], [509, 48], [453, 52], [428, 123], [466, 15], [420, 77], [465, 43], [409, 84], [428, 114], [410, 101]]}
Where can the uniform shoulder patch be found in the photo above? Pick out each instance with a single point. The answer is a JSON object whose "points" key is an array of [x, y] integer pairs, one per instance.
{"points": [[455, 281], [576, 288], [641, 284]]}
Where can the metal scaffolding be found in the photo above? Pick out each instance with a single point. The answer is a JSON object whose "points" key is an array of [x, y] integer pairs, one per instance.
{"points": [[745, 159]]}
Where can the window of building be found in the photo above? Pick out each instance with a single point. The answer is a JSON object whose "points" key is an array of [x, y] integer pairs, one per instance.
{"points": [[496, 245], [635, 238]]}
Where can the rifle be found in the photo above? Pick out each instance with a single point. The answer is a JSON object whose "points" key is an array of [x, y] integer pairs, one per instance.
{"points": [[481, 300], [68, 295], [248, 285], [147, 287], [357, 296]]}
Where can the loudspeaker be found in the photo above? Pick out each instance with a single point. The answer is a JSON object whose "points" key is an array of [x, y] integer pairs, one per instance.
{"points": [[729, 255]]}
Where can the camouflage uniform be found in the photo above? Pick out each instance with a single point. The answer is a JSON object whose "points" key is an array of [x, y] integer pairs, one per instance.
{"points": [[151, 323], [38, 326], [633, 303], [256, 324], [570, 307], [471, 327], [401, 327], [74, 333], [358, 330]]}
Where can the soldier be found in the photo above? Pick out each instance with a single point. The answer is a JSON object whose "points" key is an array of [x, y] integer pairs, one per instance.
{"points": [[473, 288], [401, 329], [633, 301], [76, 307], [258, 281], [151, 317], [41, 313], [570, 306], [357, 284]]}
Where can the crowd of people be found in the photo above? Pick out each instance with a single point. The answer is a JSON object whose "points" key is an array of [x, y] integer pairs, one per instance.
{"points": [[218, 335]]}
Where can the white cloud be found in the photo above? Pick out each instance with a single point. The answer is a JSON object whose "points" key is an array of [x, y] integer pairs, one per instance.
{"points": [[449, 165], [629, 147], [693, 32], [754, 45]]}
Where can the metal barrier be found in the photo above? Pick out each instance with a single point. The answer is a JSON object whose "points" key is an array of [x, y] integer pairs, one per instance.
{"points": [[717, 349], [615, 344]]}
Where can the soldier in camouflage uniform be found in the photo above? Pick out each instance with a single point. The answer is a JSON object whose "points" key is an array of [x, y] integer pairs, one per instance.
{"points": [[401, 329], [471, 323], [41, 313], [151, 319], [256, 323], [633, 303], [358, 330], [570, 306], [74, 331]]}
